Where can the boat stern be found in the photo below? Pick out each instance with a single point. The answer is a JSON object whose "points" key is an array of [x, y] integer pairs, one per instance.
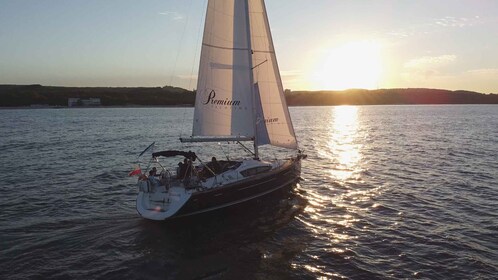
{"points": [[160, 203]]}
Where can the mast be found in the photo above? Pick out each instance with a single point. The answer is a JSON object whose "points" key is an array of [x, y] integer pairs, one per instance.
{"points": [[251, 79]]}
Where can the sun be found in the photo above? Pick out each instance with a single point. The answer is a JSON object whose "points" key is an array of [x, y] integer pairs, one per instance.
{"points": [[351, 65]]}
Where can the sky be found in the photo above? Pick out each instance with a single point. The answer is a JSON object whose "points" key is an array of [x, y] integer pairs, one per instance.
{"points": [[320, 44]]}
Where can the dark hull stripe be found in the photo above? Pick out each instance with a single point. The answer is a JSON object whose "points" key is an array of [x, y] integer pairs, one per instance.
{"points": [[240, 192], [238, 201]]}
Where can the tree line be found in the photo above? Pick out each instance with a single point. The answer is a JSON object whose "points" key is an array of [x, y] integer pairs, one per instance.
{"points": [[27, 95], [17, 95], [388, 96]]}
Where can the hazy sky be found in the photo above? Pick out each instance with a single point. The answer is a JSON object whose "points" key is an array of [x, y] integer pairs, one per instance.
{"points": [[320, 44]]}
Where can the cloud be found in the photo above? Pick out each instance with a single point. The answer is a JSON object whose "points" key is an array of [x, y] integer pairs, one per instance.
{"points": [[485, 73], [427, 67], [439, 24], [430, 62], [293, 79], [173, 15], [291, 73], [483, 80], [399, 33], [456, 22], [460, 21], [432, 75]]}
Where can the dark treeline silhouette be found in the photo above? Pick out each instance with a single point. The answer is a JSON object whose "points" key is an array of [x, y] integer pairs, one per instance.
{"points": [[26, 95], [17, 95], [388, 96]]}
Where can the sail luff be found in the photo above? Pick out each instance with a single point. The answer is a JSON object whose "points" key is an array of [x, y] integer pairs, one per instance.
{"points": [[195, 129]]}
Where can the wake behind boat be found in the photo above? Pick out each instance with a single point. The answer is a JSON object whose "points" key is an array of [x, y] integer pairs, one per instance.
{"points": [[239, 98]]}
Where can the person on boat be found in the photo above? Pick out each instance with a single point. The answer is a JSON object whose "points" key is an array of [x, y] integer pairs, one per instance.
{"points": [[188, 168], [186, 172], [184, 169], [153, 171], [215, 166], [181, 170], [152, 178]]}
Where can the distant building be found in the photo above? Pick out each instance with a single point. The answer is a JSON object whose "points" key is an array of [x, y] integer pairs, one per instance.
{"points": [[72, 102], [91, 102]]}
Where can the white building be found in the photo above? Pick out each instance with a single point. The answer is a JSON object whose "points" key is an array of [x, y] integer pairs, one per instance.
{"points": [[72, 102]]}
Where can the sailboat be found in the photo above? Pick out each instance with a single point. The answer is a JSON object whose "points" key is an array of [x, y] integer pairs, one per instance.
{"points": [[239, 98]]}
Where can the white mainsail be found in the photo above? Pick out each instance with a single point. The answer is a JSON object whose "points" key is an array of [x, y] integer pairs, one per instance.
{"points": [[239, 83]]}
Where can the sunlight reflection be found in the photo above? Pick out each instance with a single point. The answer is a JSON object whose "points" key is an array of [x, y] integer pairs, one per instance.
{"points": [[342, 142], [318, 270], [335, 207]]}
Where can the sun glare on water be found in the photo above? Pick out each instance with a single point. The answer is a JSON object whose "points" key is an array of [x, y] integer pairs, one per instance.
{"points": [[343, 142], [351, 65]]}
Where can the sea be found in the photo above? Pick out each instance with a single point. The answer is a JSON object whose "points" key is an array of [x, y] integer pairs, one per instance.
{"points": [[387, 192]]}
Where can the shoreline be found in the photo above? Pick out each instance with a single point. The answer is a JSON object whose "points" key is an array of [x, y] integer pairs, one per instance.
{"points": [[179, 106]]}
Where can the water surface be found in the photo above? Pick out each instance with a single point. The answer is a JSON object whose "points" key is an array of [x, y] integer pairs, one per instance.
{"points": [[389, 192]]}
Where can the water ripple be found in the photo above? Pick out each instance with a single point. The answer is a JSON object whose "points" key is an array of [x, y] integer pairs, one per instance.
{"points": [[389, 192]]}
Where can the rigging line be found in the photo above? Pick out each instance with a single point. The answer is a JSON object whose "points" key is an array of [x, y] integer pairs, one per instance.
{"points": [[245, 148], [180, 44], [260, 63], [224, 48], [197, 51], [236, 49], [223, 151]]}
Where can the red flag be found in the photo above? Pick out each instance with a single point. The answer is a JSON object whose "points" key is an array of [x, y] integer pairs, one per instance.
{"points": [[136, 171]]}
